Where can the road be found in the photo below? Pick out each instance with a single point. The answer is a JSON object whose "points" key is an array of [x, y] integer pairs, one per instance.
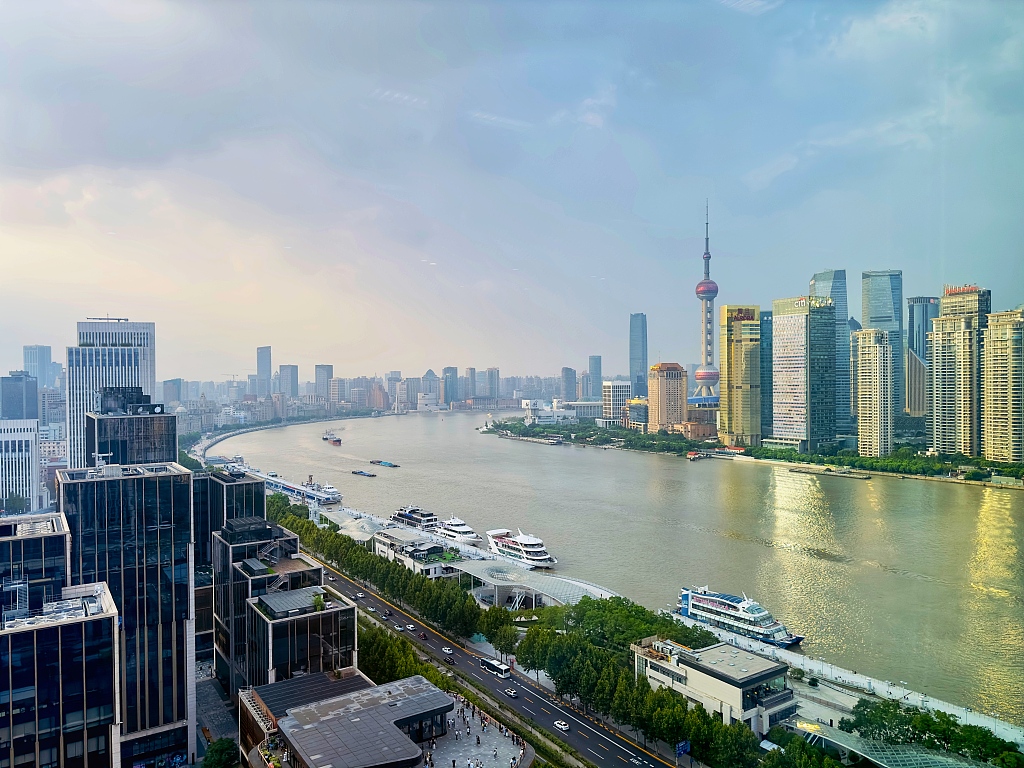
{"points": [[596, 743]]}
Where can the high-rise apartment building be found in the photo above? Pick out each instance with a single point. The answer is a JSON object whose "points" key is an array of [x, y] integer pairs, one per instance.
{"points": [[322, 375], [921, 310], [19, 396], [38, 363], [469, 391], [1002, 403], [637, 355], [493, 383], [596, 377], [873, 375], [766, 373], [614, 396], [832, 283], [803, 372], [882, 308], [264, 372], [288, 380], [739, 388], [666, 396], [955, 406], [567, 391], [131, 527], [19, 462], [918, 375], [110, 353]]}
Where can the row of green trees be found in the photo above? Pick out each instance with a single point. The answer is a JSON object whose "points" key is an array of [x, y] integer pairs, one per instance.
{"points": [[586, 433], [889, 722], [385, 656], [903, 461], [441, 601]]}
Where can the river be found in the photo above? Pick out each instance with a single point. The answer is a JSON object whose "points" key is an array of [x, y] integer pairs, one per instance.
{"points": [[900, 579]]}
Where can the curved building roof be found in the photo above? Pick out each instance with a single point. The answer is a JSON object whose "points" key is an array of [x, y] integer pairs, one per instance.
{"points": [[559, 589]]}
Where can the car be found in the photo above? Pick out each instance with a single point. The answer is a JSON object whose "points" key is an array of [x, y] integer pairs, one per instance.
{"points": [[387, 611], [448, 660], [447, 650], [399, 628], [371, 609], [561, 725], [411, 627], [512, 693], [331, 578], [423, 635], [360, 595]]}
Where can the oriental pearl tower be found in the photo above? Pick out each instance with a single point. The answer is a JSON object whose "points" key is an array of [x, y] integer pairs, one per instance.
{"points": [[707, 289]]}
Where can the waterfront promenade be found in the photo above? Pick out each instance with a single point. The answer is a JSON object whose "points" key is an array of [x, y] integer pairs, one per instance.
{"points": [[885, 689]]}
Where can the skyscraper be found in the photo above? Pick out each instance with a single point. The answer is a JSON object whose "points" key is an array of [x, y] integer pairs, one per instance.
{"points": [[493, 382], [1002, 404], [19, 461], [322, 375], [803, 372], [637, 354], [614, 395], [707, 289], [921, 310], [873, 386], [134, 432], [38, 363], [568, 388], [110, 353], [740, 388], [882, 308], [19, 396], [766, 373], [264, 372], [470, 389], [832, 283], [450, 385], [666, 396], [289, 380], [594, 368]]}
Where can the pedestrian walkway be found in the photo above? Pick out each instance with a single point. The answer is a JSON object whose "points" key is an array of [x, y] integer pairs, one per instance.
{"points": [[213, 711], [498, 747]]}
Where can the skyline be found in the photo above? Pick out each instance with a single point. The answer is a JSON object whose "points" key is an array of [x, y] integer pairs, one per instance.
{"points": [[441, 186]]}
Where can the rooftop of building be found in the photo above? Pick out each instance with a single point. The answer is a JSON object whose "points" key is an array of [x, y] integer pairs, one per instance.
{"points": [[33, 525], [277, 606], [279, 697], [403, 536], [117, 471], [78, 603], [720, 660], [561, 590], [359, 729]]}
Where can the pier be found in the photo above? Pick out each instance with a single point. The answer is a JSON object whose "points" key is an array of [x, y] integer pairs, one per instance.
{"points": [[884, 689]]}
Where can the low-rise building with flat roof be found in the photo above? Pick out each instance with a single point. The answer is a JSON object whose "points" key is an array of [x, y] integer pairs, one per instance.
{"points": [[416, 552], [734, 684]]}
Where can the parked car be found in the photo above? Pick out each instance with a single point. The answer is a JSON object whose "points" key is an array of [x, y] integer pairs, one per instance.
{"points": [[561, 725]]}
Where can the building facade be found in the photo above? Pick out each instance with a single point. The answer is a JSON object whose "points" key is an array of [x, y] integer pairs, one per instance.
{"points": [[637, 356], [740, 367], [38, 363], [955, 412], [614, 395], [873, 388], [596, 377], [1002, 403], [918, 380], [666, 396], [567, 391], [921, 310], [288, 380], [264, 371], [20, 462], [766, 373], [882, 308], [832, 283], [322, 375], [19, 396], [146, 435], [449, 385]]}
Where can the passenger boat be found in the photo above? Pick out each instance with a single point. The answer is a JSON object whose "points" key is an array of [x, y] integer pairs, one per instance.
{"points": [[523, 547], [734, 613], [416, 517], [456, 529], [328, 435]]}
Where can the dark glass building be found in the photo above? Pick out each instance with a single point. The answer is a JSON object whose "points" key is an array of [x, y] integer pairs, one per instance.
{"points": [[131, 526], [638, 353], [59, 686], [34, 552], [19, 398], [766, 372], [129, 429]]}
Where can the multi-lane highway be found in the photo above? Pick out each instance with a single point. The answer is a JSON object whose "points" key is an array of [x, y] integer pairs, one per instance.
{"points": [[596, 743]]}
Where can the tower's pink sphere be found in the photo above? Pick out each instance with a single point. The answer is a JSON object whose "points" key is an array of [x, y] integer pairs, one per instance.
{"points": [[707, 374], [707, 289]]}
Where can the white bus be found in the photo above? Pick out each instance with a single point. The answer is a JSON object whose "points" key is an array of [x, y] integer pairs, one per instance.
{"points": [[496, 668]]}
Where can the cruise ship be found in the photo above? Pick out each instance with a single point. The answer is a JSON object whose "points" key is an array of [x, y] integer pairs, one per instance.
{"points": [[735, 614], [457, 530], [525, 548], [415, 517]]}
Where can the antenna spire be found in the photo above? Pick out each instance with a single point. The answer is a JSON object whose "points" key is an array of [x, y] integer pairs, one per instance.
{"points": [[707, 222]]}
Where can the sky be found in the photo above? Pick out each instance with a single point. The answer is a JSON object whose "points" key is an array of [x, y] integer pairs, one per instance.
{"points": [[398, 185]]}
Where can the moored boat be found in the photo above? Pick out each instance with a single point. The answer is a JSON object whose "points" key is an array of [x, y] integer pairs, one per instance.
{"points": [[457, 530], [735, 613], [416, 517], [523, 547], [362, 473]]}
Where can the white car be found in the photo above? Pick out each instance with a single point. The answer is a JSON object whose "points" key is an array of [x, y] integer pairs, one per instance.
{"points": [[447, 650], [399, 628], [360, 595], [371, 609], [512, 693], [411, 627], [561, 725], [331, 578]]}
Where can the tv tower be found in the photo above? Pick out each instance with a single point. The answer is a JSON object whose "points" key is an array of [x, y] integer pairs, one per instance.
{"points": [[707, 289]]}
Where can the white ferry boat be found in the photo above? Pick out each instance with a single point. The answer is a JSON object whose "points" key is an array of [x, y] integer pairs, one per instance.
{"points": [[415, 517], [735, 614], [525, 548], [457, 530]]}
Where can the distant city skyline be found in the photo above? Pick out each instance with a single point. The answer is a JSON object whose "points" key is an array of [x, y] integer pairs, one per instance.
{"points": [[474, 207]]}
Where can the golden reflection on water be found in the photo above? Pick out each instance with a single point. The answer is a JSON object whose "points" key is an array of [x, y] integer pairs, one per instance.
{"points": [[992, 616]]}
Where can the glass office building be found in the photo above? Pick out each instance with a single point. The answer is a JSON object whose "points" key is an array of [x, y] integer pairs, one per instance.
{"points": [[131, 527], [832, 283], [766, 373], [882, 308], [33, 560], [921, 310], [148, 435], [638, 354]]}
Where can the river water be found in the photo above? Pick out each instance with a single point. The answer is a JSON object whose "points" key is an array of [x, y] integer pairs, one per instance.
{"points": [[909, 580]]}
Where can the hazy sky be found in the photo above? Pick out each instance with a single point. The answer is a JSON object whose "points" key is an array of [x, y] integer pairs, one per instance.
{"points": [[403, 185]]}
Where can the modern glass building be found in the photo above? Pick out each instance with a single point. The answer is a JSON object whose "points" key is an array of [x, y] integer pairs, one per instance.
{"points": [[766, 373], [131, 527], [264, 371], [450, 384], [921, 310], [596, 377], [288, 380], [148, 435], [803, 372], [322, 375], [637, 355], [59, 685], [882, 308], [19, 396], [19, 462], [739, 389], [568, 384], [34, 551], [832, 283], [38, 363]]}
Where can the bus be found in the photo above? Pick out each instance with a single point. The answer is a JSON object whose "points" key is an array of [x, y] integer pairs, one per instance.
{"points": [[496, 668]]}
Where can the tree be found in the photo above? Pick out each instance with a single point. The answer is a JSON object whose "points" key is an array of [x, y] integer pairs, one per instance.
{"points": [[223, 753], [15, 504], [493, 619], [604, 691], [734, 746], [505, 640], [532, 651], [188, 462], [318, 603]]}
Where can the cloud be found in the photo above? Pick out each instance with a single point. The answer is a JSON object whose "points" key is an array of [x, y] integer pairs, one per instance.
{"points": [[752, 7], [896, 27], [592, 111], [762, 177], [497, 121]]}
